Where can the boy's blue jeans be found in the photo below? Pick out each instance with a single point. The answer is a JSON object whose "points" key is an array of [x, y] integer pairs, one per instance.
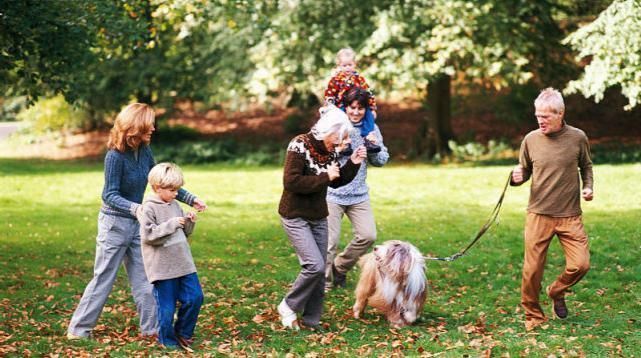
{"points": [[187, 291]]}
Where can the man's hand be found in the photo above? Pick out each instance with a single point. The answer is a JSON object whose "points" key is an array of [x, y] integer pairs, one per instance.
{"points": [[588, 194], [517, 175], [359, 155], [333, 171]]}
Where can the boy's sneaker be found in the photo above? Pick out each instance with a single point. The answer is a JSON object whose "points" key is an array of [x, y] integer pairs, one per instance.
{"points": [[287, 316], [560, 309], [371, 147], [185, 343]]}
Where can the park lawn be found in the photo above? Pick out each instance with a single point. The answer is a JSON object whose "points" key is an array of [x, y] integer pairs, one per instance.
{"points": [[48, 214]]}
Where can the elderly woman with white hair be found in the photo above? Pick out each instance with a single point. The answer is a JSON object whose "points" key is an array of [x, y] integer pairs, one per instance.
{"points": [[310, 168]]}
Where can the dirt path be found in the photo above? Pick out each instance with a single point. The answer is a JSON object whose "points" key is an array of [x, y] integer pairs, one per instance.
{"points": [[6, 128]]}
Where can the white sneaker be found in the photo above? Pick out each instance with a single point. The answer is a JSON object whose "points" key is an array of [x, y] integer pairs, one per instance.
{"points": [[287, 316]]}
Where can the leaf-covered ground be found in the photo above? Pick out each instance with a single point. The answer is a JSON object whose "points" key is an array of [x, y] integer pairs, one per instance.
{"points": [[48, 214]]}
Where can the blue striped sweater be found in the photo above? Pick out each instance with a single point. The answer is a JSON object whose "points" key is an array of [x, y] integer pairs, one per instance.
{"points": [[126, 181]]}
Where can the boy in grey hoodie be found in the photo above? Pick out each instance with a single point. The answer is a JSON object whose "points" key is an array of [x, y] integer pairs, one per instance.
{"points": [[169, 266]]}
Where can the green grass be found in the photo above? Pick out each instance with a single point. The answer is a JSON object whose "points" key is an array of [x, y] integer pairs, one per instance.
{"points": [[48, 214]]}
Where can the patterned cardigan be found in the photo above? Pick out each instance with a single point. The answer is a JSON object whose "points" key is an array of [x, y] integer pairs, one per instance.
{"points": [[305, 178]]}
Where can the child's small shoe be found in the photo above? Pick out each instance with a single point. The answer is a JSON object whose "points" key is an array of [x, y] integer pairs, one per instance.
{"points": [[287, 316], [371, 147], [185, 343]]}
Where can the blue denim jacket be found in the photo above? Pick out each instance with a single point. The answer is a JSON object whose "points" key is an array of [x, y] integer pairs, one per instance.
{"points": [[126, 181]]}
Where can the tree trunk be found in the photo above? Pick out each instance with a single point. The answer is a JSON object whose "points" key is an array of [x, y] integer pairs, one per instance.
{"points": [[436, 130]]}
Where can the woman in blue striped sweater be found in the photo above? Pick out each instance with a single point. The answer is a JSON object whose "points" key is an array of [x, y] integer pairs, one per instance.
{"points": [[127, 164]]}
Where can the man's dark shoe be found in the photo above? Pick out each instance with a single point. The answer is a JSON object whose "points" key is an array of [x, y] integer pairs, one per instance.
{"points": [[560, 309], [347, 151], [339, 278], [371, 147]]}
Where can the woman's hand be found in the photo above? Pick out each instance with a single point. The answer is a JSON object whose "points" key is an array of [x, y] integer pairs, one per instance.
{"points": [[359, 155], [199, 205], [333, 171]]}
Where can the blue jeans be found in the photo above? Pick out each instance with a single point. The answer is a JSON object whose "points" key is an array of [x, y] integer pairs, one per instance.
{"points": [[186, 290]]}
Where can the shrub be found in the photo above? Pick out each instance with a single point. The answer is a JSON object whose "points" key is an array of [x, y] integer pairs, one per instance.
{"points": [[54, 115], [10, 107], [476, 152], [166, 134], [295, 123], [219, 151]]}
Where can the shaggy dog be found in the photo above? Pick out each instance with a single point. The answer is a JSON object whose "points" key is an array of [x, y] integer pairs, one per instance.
{"points": [[392, 281]]}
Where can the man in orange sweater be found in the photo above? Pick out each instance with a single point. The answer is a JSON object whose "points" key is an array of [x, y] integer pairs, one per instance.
{"points": [[551, 155]]}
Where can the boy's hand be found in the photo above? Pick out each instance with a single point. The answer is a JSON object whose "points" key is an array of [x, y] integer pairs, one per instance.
{"points": [[371, 137], [199, 205], [181, 220], [192, 216]]}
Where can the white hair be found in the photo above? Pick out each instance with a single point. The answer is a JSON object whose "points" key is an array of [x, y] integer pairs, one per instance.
{"points": [[550, 98], [332, 120]]}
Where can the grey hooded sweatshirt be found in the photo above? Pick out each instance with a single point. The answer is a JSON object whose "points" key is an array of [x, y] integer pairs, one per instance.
{"points": [[165, 250]]}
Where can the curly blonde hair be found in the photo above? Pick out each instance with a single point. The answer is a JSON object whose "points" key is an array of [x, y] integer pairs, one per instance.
{"points": [[134, 121]]}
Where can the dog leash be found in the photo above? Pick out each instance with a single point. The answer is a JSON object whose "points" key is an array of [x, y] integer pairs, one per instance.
{"points": [[490, 221]]}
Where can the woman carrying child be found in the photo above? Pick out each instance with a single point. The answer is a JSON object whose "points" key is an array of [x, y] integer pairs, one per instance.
{"points": [[344, 78]]}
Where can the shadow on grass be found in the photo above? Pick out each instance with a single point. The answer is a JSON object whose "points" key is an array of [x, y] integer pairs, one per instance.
{"points": [[10, 166]]}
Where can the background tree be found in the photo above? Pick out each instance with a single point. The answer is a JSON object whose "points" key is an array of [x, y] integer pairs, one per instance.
{"points": [[612, 46], [427, 44], [42, 46], [298, 48]]}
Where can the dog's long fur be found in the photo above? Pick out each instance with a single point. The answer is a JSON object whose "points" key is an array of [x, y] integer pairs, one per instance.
{"points": [[393, 281]]}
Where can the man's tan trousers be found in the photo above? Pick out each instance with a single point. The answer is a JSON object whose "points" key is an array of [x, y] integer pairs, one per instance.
{"points": [[539, 231]]}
